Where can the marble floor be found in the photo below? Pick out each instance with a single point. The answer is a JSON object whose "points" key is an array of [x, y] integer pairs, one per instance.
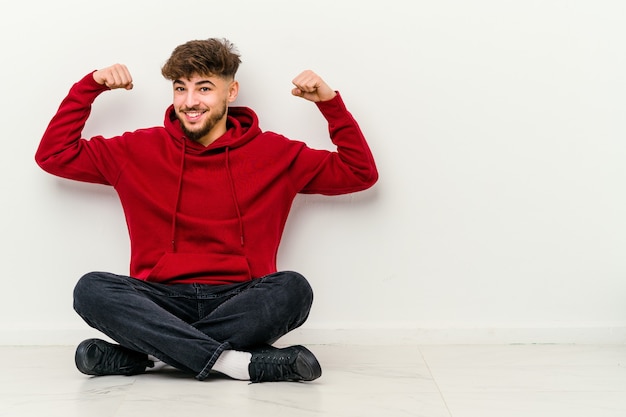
{"points": [[359, 381]]}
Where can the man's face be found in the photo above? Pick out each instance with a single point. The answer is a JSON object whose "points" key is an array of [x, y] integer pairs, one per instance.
{"points": [[201, 105]]}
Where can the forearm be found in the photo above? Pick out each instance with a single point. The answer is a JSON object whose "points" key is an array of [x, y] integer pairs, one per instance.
{"points": [[61, 150], [351, 168]]}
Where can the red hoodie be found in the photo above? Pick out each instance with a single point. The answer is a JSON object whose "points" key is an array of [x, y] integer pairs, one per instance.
{"points": [[197, 214]]}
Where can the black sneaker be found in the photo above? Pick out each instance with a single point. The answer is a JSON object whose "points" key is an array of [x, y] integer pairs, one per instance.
{"points": [[97, 357], [294, 363]]}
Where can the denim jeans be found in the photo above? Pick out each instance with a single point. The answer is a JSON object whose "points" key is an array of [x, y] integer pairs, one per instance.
{"points": [[189, 325]]}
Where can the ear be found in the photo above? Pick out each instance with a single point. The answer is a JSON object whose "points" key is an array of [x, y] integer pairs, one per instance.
{"points": [[233, 91]]}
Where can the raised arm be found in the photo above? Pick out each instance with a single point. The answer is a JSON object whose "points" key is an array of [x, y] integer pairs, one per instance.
{"points": [[351, 167], [62, 150]]}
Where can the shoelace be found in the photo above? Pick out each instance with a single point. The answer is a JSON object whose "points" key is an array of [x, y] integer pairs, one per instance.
{"points": [[115, 359], [277, 368]]}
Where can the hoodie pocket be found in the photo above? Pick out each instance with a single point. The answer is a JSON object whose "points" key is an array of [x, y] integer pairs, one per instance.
{"points": [[200, 267]]}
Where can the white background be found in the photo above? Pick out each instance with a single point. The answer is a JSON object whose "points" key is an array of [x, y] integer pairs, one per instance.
{"points": [[497, 126]]}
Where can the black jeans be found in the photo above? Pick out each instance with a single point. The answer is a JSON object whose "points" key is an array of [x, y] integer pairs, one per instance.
{"points": [[189, 325]]}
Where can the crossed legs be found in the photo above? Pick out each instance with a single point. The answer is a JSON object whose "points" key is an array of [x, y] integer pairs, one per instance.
{"points": [[189, 326]]}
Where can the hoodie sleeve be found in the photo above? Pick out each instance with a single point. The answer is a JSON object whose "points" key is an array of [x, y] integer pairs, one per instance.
{"points": [[351, 167], [64, 153]]}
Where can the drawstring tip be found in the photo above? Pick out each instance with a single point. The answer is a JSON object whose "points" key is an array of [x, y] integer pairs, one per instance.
{"points": [[241, 240]]}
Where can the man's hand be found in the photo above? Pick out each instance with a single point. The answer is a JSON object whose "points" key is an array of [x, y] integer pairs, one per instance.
{"points": [[310, 86], [115, 76]]}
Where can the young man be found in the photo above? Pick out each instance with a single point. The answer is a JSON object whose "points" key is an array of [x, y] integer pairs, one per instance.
{"points": [[206, 198]]}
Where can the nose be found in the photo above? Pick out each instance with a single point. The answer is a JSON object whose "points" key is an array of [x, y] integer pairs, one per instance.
{"points": [[191, 99]]}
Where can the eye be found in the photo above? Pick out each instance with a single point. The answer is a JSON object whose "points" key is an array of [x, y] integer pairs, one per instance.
{"points": [[205, 89], [179, 89]]}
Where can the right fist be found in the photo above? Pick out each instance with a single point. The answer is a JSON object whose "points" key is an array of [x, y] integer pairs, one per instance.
{"points": [[115, 76]]}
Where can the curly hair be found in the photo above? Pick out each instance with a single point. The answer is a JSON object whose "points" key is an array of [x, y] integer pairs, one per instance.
{"points": [[207, 57]]}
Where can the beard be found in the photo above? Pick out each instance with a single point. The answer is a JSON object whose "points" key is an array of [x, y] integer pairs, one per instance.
{"points": [[199, 132]]}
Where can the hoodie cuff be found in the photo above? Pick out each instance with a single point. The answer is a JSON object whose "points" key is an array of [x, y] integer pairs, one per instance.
{"points": [[333, 106], [91, 85]]}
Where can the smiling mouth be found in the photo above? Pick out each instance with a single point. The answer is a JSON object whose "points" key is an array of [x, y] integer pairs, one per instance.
{"points": [[193, 115]]}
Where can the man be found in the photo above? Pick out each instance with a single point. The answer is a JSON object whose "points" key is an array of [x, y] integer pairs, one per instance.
{"points": [[206, 198]]}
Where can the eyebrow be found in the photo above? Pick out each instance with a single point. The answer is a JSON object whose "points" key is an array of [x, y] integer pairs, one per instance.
{"points": [[202, 82]]}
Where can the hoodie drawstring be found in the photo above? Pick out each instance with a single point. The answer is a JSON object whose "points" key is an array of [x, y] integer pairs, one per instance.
{"points": [[178, 193], [234, 194]]}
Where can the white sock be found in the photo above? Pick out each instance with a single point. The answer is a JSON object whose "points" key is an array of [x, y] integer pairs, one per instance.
{"points": [[158, 364], [234, 364]]}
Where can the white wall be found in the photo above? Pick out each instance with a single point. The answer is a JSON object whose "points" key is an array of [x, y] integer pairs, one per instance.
{"points": [[498, 128]]}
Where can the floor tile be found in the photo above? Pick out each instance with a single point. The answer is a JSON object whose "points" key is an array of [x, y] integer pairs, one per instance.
{"points": [[359, 381], [537, 404]]}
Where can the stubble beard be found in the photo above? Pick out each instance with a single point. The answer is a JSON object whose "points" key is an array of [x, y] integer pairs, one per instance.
{"points": [[197, 134]]}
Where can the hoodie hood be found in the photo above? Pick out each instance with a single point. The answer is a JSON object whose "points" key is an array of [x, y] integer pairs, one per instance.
{"points": [[242, 126]]}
